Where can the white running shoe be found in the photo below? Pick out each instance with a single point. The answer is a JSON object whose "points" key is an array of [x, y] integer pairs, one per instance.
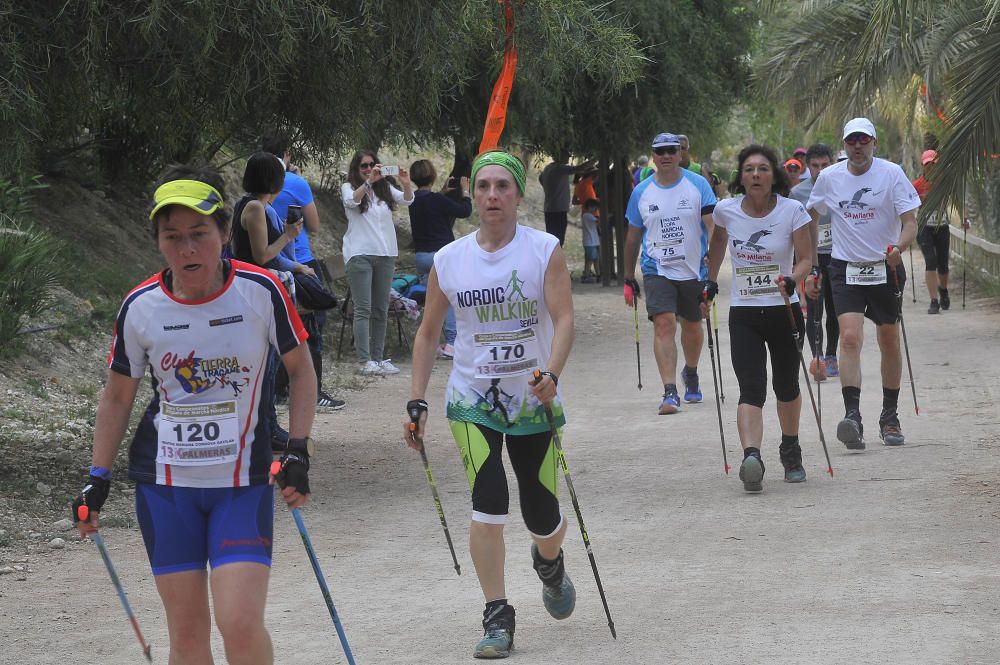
{"points": [[446, 351], [371, 368], [387, 367]]}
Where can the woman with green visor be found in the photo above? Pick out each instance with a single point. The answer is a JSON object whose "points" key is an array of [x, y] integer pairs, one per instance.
{"points": [[510, 289]]}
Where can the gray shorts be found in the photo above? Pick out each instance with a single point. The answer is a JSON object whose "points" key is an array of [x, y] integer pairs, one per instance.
{"points": [[682, 298]]}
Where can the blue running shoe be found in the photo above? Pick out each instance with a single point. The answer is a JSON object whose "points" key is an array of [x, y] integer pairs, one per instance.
{"points": [[558, 593], [671, 401], [498, 637], [692, 391]]}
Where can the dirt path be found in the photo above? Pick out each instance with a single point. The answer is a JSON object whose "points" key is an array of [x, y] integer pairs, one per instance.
{"points": [[894, 560]]}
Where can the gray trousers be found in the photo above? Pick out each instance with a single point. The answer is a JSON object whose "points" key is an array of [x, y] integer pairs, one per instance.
{"points": [[370, 278]]}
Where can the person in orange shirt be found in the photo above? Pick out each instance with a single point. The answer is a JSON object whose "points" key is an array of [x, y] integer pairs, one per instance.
{"points": [[584, 190]]}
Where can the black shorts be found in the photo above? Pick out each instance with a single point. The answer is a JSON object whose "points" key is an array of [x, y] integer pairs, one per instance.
{"points": [[755, 333], [680, 297], [879, 302], [935, 243]]}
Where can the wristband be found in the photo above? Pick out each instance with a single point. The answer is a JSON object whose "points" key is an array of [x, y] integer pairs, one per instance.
{"points": [[552, 375], [100, 472], [414, 408], [303, 445]]}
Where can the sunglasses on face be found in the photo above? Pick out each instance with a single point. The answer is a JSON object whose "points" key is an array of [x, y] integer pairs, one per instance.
{"points": [[666, 150], [367, 165], [792, 167], [855, 139]]}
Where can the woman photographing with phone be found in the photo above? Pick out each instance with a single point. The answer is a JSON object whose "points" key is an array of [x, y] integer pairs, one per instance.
{"points": [[370, 252]]}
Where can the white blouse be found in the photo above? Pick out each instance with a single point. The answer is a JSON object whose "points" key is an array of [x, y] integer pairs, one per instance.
{"points": [[370, 233]]}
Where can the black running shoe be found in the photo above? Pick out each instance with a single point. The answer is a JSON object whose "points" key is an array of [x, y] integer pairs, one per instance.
{"points": [[851, 432], [889, 430], [791, 459], [935, 307], [945, 298], [326, 403]]}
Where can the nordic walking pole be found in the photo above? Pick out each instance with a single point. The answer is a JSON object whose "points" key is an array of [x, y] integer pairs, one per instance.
{"points": [[275, 470], [965, 242], [434, 492], [799, 339], [718, 351], [913, 282], [557, 442], [902, 326], [83, 513], [817, 348], [718, 405], [638, 362]]}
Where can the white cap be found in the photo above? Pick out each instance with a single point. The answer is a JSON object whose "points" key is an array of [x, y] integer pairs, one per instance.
{"points": [[859, 125]]}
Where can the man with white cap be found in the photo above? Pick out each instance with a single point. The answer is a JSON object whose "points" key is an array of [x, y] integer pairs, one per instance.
{"points": [[670, 217], [934, 238], [872, 207]]}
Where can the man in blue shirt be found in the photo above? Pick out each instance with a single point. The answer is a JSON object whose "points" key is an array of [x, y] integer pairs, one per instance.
{"points": [[296, 191], [670, 218]]}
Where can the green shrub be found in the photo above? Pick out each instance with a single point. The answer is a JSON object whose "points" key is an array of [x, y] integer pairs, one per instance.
{"points": [[30, 268], [15, 196]]}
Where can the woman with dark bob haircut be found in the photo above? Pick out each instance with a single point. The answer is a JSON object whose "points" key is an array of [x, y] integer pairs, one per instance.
{"points": [[201, 453], [768, 239], [432, 217]]}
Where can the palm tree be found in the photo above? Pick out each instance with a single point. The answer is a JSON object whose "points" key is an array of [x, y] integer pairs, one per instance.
{"points": [[862, 55]]}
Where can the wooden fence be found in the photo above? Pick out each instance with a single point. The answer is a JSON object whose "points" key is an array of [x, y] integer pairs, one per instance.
{"points": [[982, 254]]}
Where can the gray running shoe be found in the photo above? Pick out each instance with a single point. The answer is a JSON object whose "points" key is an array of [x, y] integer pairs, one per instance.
{"points": [[752, 473], [889, 430], [498, 633], [558, 592], [850, 431], [791, 459], [935, 307]]}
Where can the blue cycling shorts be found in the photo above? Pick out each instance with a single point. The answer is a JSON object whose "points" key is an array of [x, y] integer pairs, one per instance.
{"points": [[186, 527]]}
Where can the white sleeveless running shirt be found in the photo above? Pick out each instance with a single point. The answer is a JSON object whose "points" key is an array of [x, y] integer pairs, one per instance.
{"points": [[504, 330]]}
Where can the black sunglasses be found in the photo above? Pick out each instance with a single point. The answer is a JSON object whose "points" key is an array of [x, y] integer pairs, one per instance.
{"points": [[666, 150], [855, 139], [367, 165]]}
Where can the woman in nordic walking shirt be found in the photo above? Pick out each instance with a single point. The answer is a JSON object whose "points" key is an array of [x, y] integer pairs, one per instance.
{"points": [[510, 288]]}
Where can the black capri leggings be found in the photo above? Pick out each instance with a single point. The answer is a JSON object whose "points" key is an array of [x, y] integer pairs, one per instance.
{"points": [[935, 243], [750, 328], [534, 460]]}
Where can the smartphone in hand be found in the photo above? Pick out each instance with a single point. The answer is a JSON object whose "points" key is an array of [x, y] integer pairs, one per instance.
{"points": [[294, 215], [390, 170]]}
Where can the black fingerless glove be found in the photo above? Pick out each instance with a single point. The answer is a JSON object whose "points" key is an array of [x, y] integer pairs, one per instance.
{"points": [[293, 470], [711, 290], [415, 408], [93, 496], [787, 284]]}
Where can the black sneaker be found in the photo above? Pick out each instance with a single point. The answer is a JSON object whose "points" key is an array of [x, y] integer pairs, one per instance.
{"points": [[851, 432], [498, 633], [945, 298], [326, 403], [791, 459], [752, 473], [935, 307], [279, 439], [889, 430]]}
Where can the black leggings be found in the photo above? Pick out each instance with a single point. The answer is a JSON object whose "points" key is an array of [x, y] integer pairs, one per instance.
{"points": [[814, 315], [750, 329], [935, 243], [535, 465]]}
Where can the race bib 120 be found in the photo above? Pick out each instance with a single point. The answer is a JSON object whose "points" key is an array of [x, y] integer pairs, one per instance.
{"points": [[198, 434]]}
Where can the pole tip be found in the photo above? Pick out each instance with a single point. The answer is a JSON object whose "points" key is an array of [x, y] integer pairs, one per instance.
{"points": [[917, 409], [829, 470], [148, 652], [727, 469]]}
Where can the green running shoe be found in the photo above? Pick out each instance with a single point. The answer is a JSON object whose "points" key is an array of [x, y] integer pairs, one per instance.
{"points": [[498, 629], [558, 592]]}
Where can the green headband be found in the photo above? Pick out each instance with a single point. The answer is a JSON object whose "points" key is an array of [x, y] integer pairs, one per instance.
{"points": [[504, 159]]}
